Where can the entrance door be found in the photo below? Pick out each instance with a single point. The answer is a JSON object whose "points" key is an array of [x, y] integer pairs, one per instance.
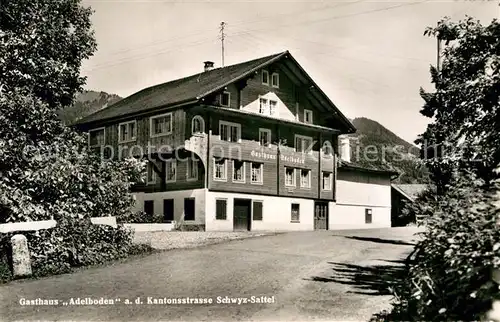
{"points": [[320, 215], [168, 210], [241, 214]]}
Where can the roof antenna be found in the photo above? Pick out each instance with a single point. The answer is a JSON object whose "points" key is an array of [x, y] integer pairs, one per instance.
{"points": [[222, 37]]}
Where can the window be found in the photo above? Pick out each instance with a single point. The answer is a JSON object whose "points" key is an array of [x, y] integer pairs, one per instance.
{"points": [[327, 181], [230, 132], [197, 124], [96, 137], [305, 178], [265, 137], [220, 170], [168, 210], [295, 215], [368, 216], [327, 148], [265, 77], [221, 209], [225, 99], [160, 125], [272, 107], [189, 209], [127, 132], [149, 207], [192, 169], [257, 210], [290, 177], [303, 143], [263, 106], [238, 171], [151, 175], [275, 80], [308, 116], [170, 170], [257, 169]]}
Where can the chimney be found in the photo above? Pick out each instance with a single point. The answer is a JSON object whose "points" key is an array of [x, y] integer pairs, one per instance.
{"points": [[209, 65], [345, 148]]}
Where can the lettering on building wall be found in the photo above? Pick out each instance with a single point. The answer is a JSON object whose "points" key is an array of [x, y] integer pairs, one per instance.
{"points": [[285, 158]]}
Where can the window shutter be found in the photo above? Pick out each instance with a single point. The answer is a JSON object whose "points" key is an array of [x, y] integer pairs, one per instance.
{"points": [[257, 210], [221, 209]]}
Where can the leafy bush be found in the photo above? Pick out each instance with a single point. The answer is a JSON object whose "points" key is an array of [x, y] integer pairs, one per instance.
{"points": [[450, 275], [74, 243], [139, 217]]}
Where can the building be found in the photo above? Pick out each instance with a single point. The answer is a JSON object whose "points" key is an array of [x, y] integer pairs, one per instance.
{"points": [[402, 194], [252, 146]]}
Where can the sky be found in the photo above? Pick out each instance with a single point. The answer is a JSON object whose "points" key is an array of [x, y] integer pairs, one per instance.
{"points": [[369, 56]]}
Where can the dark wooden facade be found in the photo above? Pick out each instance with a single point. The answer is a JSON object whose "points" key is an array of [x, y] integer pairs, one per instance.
{"points": [[294, 97]]}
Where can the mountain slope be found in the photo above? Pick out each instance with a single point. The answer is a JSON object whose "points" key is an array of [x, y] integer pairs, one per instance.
{"points": [[87, 102], [374, 146]]}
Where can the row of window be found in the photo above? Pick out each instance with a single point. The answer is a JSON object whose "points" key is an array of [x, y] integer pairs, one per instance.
{"points": [[275, 79], [171, 171], [257, 210], [305, 178], [168, 209], [238, 173]]}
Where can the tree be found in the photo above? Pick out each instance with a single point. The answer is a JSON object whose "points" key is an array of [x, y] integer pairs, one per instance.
{"points": [[465, 131], [46, 169]]}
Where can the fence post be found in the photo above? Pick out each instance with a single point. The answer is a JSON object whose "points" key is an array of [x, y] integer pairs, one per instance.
{"points": [[21, 263]]}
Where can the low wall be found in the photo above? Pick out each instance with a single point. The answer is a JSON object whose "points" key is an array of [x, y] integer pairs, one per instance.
{"points": [[27, 226], [151, 227]]}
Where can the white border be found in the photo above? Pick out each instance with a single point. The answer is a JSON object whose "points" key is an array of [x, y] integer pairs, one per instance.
{"points": [[225, 171], [228, 100], [294, 181], [154, 174], [268, 131], [303, 137], [278, 84], [190, 165], [261, 173], [229, 124], [323, 182], [244, 173], [202, 122], [174, 163], [264, 72], [305, 113], [151, 125], [309, 183], [134, 138], [94, 130]]}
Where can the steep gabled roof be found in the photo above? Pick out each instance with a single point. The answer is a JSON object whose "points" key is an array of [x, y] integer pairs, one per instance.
{"points": [[354, 166], [193, 88]]}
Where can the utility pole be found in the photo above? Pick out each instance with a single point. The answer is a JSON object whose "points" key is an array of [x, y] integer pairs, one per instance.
{"points": [[222, 36]]}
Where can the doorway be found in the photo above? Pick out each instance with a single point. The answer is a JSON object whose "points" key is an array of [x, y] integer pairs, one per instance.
{"points": [[320, 215], [242, 218]]}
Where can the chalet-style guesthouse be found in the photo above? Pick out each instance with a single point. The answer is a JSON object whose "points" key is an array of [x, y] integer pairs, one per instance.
{"points": [[251, 146]]}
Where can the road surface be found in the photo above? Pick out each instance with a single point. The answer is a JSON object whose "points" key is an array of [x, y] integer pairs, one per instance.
{"points": [[322, 275]]}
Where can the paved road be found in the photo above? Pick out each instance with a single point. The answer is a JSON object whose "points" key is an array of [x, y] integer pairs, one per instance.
{"points": [[324, 275]]}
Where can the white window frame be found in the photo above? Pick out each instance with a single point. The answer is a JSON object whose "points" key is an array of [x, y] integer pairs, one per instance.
{"points": [[228, 99], [134, 138], [202, 124], [308, 186], [305, 116], [294, 177], [261, 181], [95, 130], [303, 137], [156, 117], [172, 162], [229, 124], [265, 110], [215, 172], [277, 78], [243, 174], [330, 175], [262, 76], [268, 131], [269, 107], [190, 163], [154, 174]]}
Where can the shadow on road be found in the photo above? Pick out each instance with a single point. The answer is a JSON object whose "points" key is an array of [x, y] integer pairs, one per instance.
{"points": [[378, 240], [368, 280]]}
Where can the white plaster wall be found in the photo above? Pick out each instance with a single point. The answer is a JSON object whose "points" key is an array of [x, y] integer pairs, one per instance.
{"points": [[357, 193], [276, 213], [353, 217], [178, 196], [282, 111]]}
